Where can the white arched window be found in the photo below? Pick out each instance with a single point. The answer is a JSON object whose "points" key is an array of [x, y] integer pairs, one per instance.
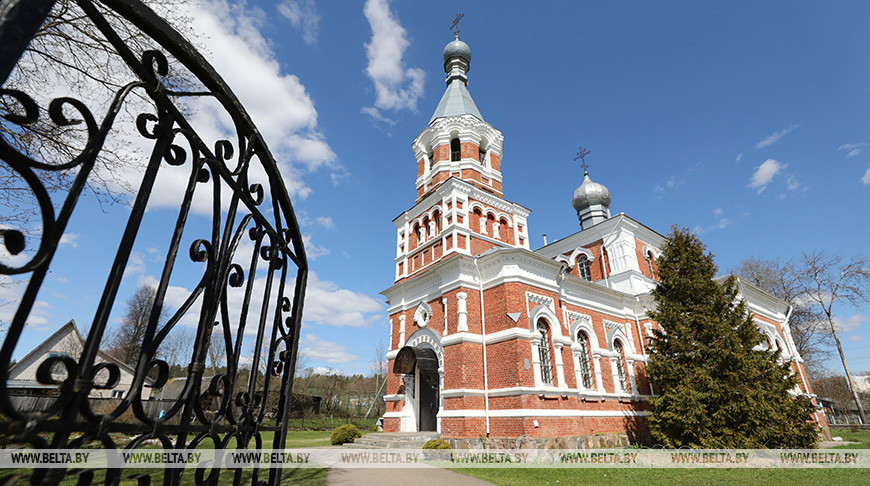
{"points": [[583, 268], [544, 354], [584, 363], [622, 385]]}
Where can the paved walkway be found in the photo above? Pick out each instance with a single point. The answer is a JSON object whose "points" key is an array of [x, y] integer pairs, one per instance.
{"points": [[827, 444], [424, 476]]}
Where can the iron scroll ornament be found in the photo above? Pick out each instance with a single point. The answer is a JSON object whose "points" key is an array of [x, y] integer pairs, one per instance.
{"points": [[255, 216]]}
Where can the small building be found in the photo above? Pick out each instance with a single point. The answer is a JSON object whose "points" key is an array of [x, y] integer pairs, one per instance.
{"points": [[66, 341]]}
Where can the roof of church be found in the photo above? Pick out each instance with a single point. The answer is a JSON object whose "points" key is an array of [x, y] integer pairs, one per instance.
{"points": [[456, 101]]}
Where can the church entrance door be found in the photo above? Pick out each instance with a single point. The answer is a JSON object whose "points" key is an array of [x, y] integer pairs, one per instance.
{"points": [[419, 365], [428, 400]]}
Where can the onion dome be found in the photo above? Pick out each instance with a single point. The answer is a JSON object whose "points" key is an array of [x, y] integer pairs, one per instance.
{"points": [[456, 100], [592, 202], [457, 48]]}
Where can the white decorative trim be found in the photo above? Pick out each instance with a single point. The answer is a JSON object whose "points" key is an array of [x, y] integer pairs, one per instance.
{"points": [[540, 299], [444, 304], [462, 312], [571, 260], [401, 331], [461, 337], [531, 412], [541, 390], [647, 249], [422, 314], [431, 338]]}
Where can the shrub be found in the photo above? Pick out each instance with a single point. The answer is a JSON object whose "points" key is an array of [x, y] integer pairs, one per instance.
{"points": [[437, 444], [344, 433]]}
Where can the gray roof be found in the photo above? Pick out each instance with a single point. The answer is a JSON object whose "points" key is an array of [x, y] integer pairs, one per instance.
{"points": [[456, 101], [173, 389]]}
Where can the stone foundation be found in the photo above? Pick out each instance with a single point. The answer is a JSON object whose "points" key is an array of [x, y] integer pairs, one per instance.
{"points": [[592, 441]]}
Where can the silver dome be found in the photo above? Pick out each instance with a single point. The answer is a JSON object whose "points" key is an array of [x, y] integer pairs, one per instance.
{"points": [[590, 193], [457, 48]]}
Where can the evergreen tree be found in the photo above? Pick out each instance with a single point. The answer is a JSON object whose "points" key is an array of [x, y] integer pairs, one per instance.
{"points": [[717, 388]]}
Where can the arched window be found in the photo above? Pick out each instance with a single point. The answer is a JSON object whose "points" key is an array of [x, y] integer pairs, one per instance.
{"points": [[649, 262], [481, 155], [620, 368], [583, 268], [544, 354], [480, 219], [584, 361], [455, 150]]}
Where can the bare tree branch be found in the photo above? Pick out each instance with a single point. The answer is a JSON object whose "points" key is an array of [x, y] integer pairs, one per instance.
{"points": [[828, 280], [782, 279]]}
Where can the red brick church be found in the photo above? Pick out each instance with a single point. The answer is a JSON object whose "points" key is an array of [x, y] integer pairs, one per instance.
{"points": [[491, 339]]}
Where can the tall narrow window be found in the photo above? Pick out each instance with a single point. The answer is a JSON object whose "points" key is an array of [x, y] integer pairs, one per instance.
{"points": [[649, 261], [431, 161], [544, 354], [455, 150], [620, 367], [583, 359], [583, 268], [481, 155]]}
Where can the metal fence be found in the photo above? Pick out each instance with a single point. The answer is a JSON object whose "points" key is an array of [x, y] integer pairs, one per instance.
{"points": [[240, 179]]}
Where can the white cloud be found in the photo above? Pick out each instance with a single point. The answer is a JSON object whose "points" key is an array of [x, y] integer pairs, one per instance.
{"points": [[313, 251], [327, 304], [377, 116], [135, 264], [396, 87], [765, 173], [717, 212], [70, 239], [793, 183], [739, 157], [722, 223], [866, 178], [774, 137], [303, 15], [11, 291], [325, 221], [853, 148], [671, 184], [856, 338], [851, 323], [278, 104], [319, 349]]}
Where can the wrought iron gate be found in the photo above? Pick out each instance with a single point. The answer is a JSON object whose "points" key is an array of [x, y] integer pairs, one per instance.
{"points": [[254, 217]]}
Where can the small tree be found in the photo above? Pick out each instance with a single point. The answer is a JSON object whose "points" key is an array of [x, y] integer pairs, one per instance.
{"points": [[717, 388]]}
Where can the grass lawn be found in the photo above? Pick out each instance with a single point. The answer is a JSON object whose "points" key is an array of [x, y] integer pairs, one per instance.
{"points": [[615, 477], [862, 436], [326, 423]]}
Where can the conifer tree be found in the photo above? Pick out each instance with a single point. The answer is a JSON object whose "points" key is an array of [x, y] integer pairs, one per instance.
{"points": [[717, 388]]}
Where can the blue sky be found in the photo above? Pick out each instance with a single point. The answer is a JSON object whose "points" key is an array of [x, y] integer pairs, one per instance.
{"points": [[746, 121]]}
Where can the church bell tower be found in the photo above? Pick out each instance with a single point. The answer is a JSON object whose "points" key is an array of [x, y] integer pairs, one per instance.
{"points": [[459, 206]]}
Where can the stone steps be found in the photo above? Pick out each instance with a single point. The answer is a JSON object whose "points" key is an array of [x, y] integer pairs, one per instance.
{"points": [[393, 440]]}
